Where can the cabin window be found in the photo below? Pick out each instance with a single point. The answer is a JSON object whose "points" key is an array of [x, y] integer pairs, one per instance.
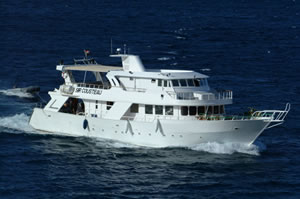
{"points": [[134, 108], [158, 110], [169, 110], [131, 78], [149, 109], [201, 110], [216, 109], [169, 84], [210, 110], [222, 109], [175, 83], [184, 110], [152, 80], [203, 82], [192, 110], [159, 82], [165, 83], [190, 82], [196, 82], [183, 83], [109, 105]]}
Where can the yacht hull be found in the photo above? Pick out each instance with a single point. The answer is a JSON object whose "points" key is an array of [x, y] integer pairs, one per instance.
{"points": [[158, 133]]}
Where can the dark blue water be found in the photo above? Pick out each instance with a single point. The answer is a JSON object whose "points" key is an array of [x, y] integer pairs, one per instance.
{"points": [[250, 47]]}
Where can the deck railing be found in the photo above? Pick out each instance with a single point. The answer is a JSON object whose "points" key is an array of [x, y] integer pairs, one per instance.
{"points": [[94, 85], [223, 95]]}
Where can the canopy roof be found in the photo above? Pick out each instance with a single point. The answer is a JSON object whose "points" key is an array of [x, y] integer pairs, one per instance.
{"points": [[92, 67]]}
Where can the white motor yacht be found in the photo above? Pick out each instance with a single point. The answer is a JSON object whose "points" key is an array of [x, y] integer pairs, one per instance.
{"points": [[153, 108]]}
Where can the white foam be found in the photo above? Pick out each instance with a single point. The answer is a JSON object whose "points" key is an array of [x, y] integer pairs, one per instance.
{"points": [[114, 144], [205, 69], [164, 58], [228, 148], [180, 37], [12, 92], [17, 122]]}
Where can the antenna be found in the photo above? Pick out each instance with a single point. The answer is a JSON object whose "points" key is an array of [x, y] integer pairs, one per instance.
{"points": [[124, 49], [111, 46]]}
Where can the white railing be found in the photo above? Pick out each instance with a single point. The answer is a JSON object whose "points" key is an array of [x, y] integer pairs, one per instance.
{"points": [[201, 96], [93, 85], [273, 116]]}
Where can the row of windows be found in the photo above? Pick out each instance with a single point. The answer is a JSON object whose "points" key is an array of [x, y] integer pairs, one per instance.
{"points": [[189, 82], [185, 110], [181, 82], [200, 110]]}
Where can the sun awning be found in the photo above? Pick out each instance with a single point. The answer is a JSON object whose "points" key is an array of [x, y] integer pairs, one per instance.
{"points": [[92, 67]]}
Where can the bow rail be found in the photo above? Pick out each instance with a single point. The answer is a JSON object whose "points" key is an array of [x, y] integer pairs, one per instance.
{"points": [[273, 116]]}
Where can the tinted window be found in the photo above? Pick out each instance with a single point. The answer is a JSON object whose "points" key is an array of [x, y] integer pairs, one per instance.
{"points": [[182, 82], [148, 109], [196, 82], [109, 105], [159, 82], [190, 82], [184, 110], [201, 110], [222, 109], [209, 110], [192, 110], [158, 110], [165, 83], [169, 110], [216, 109], [175, 83], [134, 108]]}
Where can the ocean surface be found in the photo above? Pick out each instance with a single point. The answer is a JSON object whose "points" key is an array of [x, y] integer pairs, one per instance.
{"points": [[251, 47]]}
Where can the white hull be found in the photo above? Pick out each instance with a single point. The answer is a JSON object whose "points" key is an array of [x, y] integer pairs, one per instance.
{"points": [[162, 133]]}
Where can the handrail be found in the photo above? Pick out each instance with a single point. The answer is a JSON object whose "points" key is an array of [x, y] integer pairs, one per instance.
{"points": [[199, 96], [276, 116], [93, 85]]}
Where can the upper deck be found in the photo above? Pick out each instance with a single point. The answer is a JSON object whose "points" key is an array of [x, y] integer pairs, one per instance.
{"points": [[162, 86]]}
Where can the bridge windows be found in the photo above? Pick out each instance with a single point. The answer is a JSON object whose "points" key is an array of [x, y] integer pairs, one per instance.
{"points": [[189, 82], [183, 83], [196, 83], [159, 82], [165, 83]]}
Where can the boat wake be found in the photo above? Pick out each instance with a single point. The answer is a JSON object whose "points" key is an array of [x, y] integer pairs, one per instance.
{"points": [[17, 122], [229, 148], [17, 93]]}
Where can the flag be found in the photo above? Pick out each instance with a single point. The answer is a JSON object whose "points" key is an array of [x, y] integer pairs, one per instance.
{"points": [[86, 52]]}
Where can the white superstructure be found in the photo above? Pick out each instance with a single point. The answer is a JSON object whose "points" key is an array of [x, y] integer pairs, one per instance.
{"points": [[155, 108]]}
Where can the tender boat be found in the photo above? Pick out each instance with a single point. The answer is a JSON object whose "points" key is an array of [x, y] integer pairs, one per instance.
{"points": [[153, 108]]}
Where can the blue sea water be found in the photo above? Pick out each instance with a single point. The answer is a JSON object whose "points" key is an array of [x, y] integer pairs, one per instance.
{"points": [[250, 47]]}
